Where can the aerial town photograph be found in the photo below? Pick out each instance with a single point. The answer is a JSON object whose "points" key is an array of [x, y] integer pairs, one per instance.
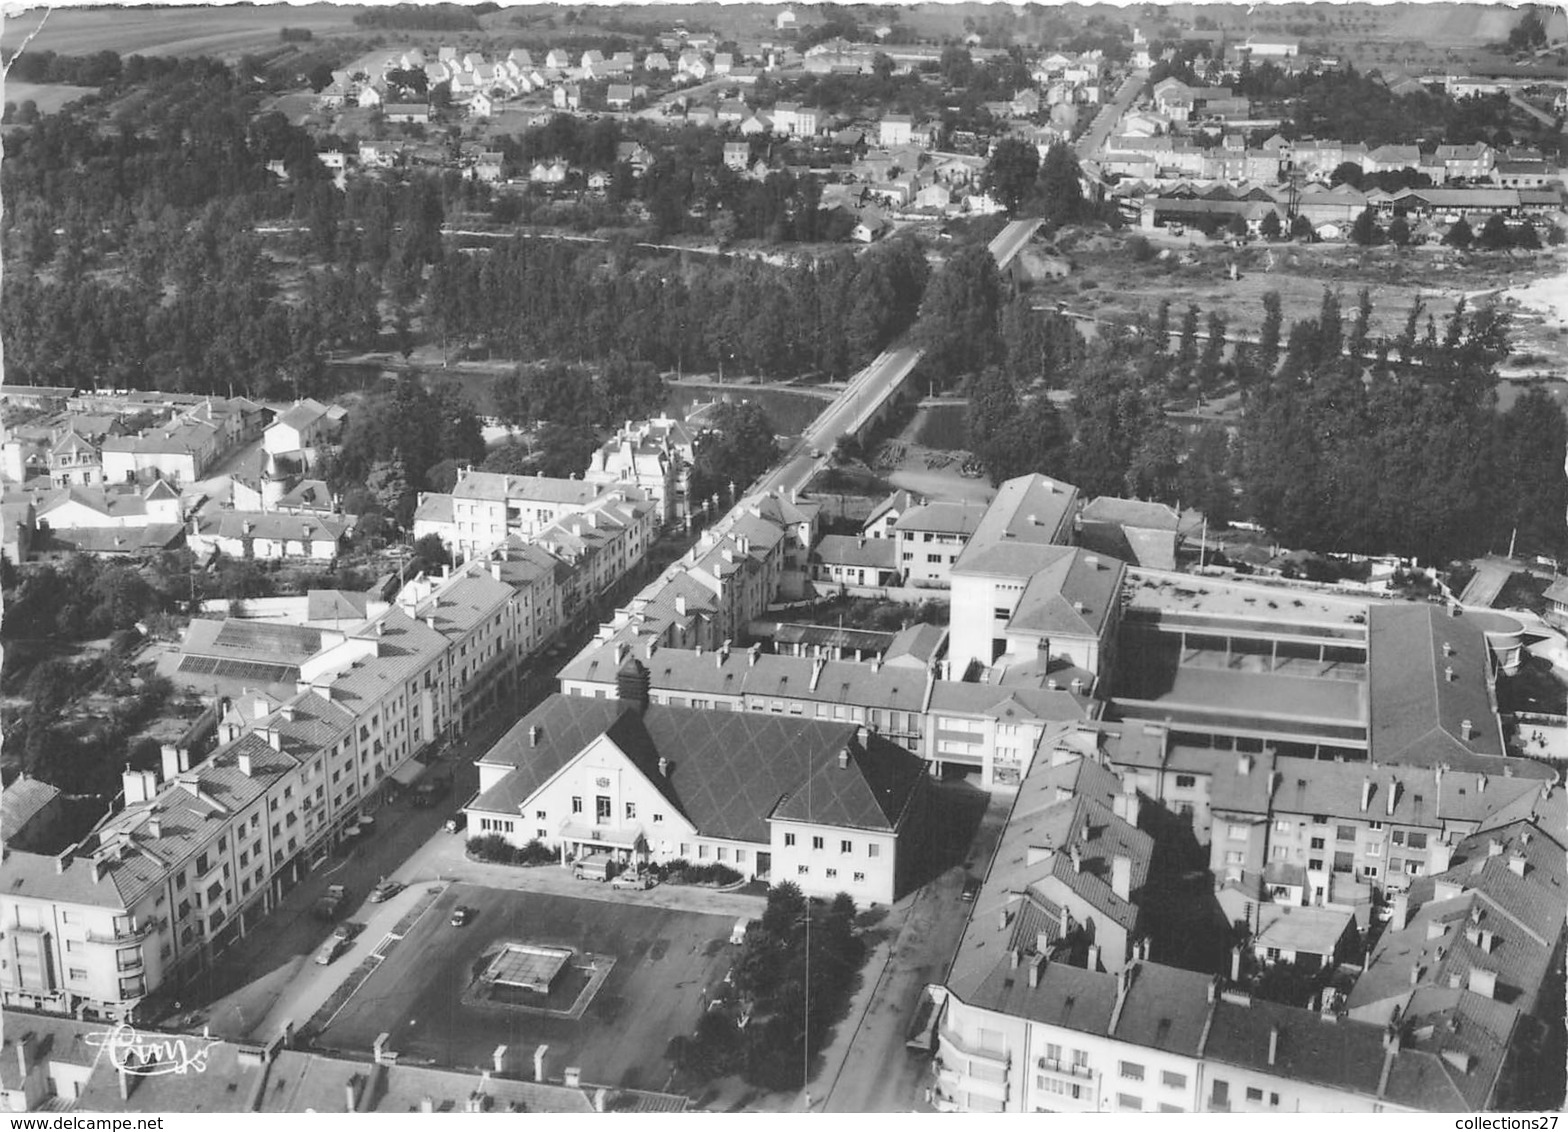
{"points": [[759, 558]]}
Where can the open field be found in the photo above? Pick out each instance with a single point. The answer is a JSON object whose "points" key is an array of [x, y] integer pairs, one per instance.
{"points": [[223, 32], [49, 97], [664, 961], [1107, 283]]}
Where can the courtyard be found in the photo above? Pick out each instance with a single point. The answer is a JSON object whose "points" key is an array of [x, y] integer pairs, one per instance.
{"points": [[658, 967]]}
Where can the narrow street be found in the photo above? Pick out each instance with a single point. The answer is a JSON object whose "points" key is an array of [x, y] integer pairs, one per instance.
{"points": [[868, 1067]]}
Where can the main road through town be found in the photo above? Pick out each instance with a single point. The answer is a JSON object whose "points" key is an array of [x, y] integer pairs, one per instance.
{"points": [[1093, 138], [864, 393]]}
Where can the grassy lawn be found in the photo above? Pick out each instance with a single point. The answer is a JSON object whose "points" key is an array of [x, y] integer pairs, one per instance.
{"points": [[220, 31], [49, 97]]}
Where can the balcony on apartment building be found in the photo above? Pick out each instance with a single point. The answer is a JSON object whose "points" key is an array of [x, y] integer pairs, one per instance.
{"points": [[1069, 1085], [963, 1067], [122, 935]]}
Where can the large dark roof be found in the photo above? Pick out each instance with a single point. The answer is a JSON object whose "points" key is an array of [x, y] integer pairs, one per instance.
{"points": [[729, 772], [1417, 710]]}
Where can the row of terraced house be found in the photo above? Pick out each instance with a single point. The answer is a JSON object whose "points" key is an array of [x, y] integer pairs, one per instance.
{"points": [[319, 722]]}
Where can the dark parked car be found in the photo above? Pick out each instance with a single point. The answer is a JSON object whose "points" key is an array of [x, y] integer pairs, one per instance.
{"points": [[971, 890]]}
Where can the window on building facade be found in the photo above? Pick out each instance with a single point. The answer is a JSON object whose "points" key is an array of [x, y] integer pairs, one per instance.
{"points": [[1173, 1080], [817, 842], [789, 840], [1131, 1070], [1186, 781]]}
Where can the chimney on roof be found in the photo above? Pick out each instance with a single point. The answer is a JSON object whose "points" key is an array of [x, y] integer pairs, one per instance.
{"points": [[843, 758], [756, 651], [1244, 765], [154, 825], [498, 1059], [427, 1103], [1366, 792], [1036, 966], [1448, 673], [275, 739], [1273, 1045], [1092, 960], [1494, 847], [1121, 876], [533, 735], [1448, 649], [1393, 794], [1214, 989], [539, 1061], [1517, 864], [1480, 784], [140, 785], [1483, 982], [664, 767], [680, 605], [1063, 922], [1077, 858], [1466, 730], [244, 759]]}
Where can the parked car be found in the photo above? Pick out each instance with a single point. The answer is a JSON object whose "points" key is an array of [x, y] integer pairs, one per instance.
{"points": [[460, 916], [971, 890], [331, 902], [330, 950], [630, 879], [386, 890]]}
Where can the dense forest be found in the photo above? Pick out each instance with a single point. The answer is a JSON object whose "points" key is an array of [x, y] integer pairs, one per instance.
{"points": [[1346, 442], [530, 299]]}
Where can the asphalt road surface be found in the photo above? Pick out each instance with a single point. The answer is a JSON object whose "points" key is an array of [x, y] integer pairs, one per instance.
{"points": [[865, 390], [1111, 113], [879, 1073], [1010, 240]]}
